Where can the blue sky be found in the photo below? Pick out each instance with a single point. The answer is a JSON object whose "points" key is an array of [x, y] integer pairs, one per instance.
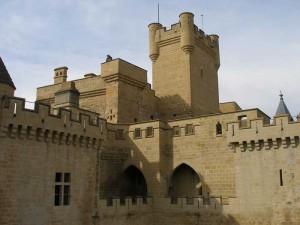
{"points": [[259, 42]]}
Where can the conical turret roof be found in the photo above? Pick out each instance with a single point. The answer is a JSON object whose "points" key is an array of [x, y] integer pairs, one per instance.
{"points": [[282, 108], [4, 75]]}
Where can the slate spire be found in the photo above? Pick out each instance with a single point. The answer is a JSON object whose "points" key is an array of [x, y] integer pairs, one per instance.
{"points": [[282, 108], [4, 75]]}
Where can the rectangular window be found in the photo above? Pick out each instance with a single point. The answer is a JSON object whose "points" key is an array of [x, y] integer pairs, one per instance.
{"points": [[189, 129], [62, 190], [149, 132], [137, 133], [176, 131]]}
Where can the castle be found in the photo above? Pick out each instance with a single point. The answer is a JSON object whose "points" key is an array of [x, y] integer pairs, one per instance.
{"points": [[108, 149]]}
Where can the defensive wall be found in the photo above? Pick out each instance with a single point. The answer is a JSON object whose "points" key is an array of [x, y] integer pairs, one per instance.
{"points": [[35, 146]]}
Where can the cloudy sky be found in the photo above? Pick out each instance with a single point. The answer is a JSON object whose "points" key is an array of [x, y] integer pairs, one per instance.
{"points": [[259, 42]]}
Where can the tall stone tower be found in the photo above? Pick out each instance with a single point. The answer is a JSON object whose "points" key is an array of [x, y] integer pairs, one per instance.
{"points": [[185, 63]]}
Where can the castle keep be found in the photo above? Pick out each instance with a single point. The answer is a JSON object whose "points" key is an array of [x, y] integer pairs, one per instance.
{"points": [[109, 149]]}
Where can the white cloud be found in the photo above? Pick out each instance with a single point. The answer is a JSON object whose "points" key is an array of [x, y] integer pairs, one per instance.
{"points": [[260, 42]]}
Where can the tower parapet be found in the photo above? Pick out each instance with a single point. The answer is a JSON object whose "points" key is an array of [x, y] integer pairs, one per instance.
{"points": [[185, 32]]}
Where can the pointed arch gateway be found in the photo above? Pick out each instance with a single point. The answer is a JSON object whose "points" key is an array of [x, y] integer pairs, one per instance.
{"points": [[185, 182], [132, 183]]}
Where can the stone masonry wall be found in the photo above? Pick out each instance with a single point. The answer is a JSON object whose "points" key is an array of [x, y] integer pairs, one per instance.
{"points": [[36, 145]]}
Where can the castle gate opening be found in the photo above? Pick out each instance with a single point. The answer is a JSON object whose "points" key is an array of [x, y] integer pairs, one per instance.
{"points": [[132, 183], [185, 182]]}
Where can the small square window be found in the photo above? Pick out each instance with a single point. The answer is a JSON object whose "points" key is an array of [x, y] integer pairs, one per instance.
{"points": [[137, 133], [176, 131], [189, 129], [149, 132]]}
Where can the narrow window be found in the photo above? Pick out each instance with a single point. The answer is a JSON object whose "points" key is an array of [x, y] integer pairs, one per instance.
{"points": [[189, 129], [137, 133], [15, 109], [219, 128], [62, 190], [280, 175], [176, 131], [149, 132]]}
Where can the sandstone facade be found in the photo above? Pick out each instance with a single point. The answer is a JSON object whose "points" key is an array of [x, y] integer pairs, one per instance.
{"points": [[109, 149]]}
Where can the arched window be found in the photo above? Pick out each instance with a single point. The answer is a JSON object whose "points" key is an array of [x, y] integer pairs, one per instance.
{"points": [[132, 183], [219, 128], [185, 182]]}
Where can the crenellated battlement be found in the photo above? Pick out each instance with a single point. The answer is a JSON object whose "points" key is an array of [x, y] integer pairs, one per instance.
{"points": [[82, 128], [185, 32], [125, 206], [257, 136], [132, 205], [165, 36]]}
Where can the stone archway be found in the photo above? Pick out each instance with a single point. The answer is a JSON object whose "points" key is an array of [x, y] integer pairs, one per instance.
{"points": [[185, 182], [132, 183]]}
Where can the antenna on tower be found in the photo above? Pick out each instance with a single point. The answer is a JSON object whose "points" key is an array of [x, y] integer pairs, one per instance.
{"points": [[202, 21], [158, 12]]}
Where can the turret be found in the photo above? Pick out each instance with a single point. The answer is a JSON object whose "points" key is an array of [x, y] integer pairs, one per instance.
{"points": [[187, 32], [282, 108], [7, 86], [153, 48], [215, 39], [60, 75]]}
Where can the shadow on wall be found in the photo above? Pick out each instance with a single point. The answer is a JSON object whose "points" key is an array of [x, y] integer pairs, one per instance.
{"points": [[143, 168], [175, 107]]}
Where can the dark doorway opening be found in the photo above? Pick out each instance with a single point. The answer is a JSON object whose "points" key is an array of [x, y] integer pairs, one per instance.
{"points": [[185, 182], [132, 183]]}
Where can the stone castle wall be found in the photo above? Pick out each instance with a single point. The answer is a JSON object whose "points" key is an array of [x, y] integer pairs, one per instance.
{"points": [[36, 145]]}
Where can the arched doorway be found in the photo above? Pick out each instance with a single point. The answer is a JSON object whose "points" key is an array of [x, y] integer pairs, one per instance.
{"points": [[185, 182], [132, 183]]}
